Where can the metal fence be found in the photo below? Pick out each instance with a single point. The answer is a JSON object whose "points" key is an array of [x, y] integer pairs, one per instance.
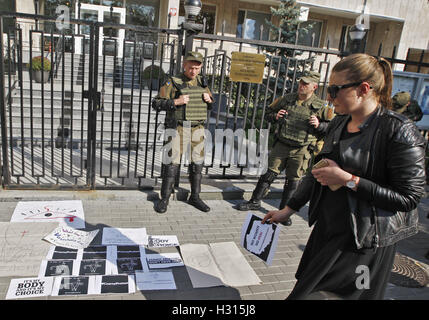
{"points": [[87, 123]]}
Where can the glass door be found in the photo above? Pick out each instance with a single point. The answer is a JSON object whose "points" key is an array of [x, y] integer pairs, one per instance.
{"points": [[108, 36]]}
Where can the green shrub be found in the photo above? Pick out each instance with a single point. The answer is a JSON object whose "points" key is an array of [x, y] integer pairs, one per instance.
{"points": [[36, 64]]}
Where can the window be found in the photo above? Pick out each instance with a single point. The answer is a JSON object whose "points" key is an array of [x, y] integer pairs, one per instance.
{"points": [[249, 25], [208, 11], [306, 38]]}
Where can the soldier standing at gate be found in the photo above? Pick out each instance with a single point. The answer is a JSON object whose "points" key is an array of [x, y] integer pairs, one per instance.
{"points": [[302, 119], [402, 103], [186, 99]]}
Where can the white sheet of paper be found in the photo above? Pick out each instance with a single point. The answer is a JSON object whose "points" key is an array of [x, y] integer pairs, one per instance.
{"points": [[22, 247], [70, 286], [71, 238], [235, 269], [164, 260], [217, 264], [29, 288], [201, 266], [162, 241], [155, 280], [116, 284], [66, 213], [259, 239], [124, 236]]}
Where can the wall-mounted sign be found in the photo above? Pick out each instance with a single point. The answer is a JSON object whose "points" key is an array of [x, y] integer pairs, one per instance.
{"points": [[247, 67], [173, 12]]}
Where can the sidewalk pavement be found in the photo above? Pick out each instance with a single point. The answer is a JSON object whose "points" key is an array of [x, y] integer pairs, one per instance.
{"points": [[133, 208]]}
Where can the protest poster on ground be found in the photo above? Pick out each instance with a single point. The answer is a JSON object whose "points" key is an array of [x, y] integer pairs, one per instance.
{"points": [[71, 238], [164, 260], [155, 280], [217, 264], [105, 284], [259, 239], [162, 241], [29, 288], [124, 236], [54, 268], [67, 213], [69, 286]]}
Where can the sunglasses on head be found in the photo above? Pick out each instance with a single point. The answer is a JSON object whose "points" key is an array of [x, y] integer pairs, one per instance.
{"points": [[333, 90]]}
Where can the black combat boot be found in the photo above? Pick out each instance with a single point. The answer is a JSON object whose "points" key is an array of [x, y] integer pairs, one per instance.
{"points": [[288, 190], [167, 187], [261, 190], [195, 176]]}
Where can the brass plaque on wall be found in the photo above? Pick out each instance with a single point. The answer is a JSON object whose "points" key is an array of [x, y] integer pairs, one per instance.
{"points": [[247, 67]]}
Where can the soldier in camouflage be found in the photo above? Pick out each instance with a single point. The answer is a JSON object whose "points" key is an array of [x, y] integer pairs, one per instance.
{"points": [[185, 98], [302, 119], [402, 103]]}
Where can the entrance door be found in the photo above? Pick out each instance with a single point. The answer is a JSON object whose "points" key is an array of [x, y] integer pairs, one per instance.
{"points": [[108, 36]]}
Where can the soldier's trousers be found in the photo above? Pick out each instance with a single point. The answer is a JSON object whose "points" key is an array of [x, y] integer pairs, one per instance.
{"points": [[185, 138], [294, 160]]}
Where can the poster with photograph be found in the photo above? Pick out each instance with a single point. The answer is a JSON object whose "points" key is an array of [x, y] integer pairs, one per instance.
{"points": [[164, 260], [92, 267], [260, 239], [29, 288], [119, 284], [66, 213], [75, 285], [54, 268], [119, 258]]}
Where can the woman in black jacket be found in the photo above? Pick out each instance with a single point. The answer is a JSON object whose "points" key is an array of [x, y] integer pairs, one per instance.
{"points": [[375, 158]]}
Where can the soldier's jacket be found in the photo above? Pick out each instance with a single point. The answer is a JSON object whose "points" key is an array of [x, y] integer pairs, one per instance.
{"points": [[412, 111], [295, 129], [172, 89]]}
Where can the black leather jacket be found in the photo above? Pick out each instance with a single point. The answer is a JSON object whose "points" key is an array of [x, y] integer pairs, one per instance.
{"points": [[389, 158]]}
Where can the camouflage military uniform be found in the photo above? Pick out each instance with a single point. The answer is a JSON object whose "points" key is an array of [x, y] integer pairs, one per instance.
{"points": [[193, 114], [296, 140], [402, 103], [176, 118]]}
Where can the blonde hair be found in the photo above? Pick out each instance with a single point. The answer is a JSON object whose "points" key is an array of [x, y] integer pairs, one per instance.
{"points": [[376, 71]]}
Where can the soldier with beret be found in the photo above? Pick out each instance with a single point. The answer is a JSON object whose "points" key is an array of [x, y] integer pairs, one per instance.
{"points": [[402, 103], [302, 119], [186, 99]]}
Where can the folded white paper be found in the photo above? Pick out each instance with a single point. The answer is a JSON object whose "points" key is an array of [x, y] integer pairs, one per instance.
{"points": [[217, 264]]}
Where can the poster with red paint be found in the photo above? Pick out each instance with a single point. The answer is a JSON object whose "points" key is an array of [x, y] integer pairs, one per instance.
{"points": [[66, 213]]}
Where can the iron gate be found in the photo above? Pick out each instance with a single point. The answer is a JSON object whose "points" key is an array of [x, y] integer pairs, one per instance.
{"points": [[91, 124], [87, 122]]}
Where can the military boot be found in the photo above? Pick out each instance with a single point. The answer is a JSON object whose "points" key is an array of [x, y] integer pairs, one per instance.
{"points": [[288, 190], [195, 176], [261, 190], [167, 187]]}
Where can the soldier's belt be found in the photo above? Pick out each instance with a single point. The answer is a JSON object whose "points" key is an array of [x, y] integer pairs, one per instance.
{"points": [[196, 108]]}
